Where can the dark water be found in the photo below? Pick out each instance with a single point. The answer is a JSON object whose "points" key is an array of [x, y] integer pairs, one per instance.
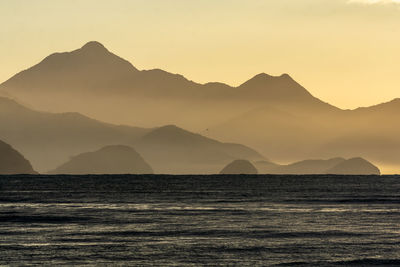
{"points": [[200, 220]]}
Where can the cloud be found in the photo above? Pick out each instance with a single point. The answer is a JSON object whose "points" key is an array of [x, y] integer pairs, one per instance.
{"points": [[372, 2]]}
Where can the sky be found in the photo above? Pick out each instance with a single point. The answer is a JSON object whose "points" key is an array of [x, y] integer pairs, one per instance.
{"points": [[345, 52]]}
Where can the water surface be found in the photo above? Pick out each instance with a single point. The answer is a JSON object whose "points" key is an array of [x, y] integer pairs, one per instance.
{"points": [[200, 220]]}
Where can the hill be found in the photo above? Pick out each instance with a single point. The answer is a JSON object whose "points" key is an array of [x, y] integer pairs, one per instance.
{"points": [[172, 149], [49, 139], [301, 167], [274, 114], [239, 167], [12, 162], [353, 166], [108, 160]]}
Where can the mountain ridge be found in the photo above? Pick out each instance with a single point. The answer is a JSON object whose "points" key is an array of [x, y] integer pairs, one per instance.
{"points": [[275, 114], [94, 86], [333, 166], [48, 140], [95, 47]]}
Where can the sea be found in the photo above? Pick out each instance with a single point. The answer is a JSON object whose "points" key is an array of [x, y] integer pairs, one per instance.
{"points": [[160, 220]]}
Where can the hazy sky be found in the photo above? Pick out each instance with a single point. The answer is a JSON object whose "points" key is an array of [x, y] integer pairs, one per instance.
{"points": [[346, 52]]}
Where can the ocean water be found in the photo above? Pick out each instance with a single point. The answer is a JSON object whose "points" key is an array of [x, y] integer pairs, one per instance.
{"points": [[200, 220]]}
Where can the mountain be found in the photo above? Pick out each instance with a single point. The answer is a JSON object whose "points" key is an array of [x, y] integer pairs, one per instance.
{"points": [[49, 139], [81, 69], [354, 166], [274, 114], [172, 149], [294, 131], [239, 167], [108, 160], [92, 80], [301, 167], [94, 69], [342, 166], [12, 162]]}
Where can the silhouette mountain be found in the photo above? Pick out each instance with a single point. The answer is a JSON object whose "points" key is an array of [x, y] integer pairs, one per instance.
{"points": [[12, 162], [108, 160], [191, 153], [89, 66], [91, 79], [301, 167], [267, 88], [50, 139], [354, 166], [291, 132], [358, 166], [274, 114], [239, 167]]}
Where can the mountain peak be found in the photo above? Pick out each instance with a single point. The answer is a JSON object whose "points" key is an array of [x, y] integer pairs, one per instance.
{"points": [[94, 45], [91, 66], [168, 131], [286, 76], [170, 127], [171, 134], [263, 78]]}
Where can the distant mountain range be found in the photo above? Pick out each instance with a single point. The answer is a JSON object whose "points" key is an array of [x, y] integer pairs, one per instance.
{"points": [[121, 159], [339, 166], [275, 115], [49, 140], [97, 83], [60, 143]]}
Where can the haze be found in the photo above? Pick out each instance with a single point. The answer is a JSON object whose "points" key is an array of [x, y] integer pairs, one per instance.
{"points": [[344, 52]]}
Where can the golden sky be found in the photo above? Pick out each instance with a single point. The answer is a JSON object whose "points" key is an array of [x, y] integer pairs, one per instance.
{"points": [[346, 52]]}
